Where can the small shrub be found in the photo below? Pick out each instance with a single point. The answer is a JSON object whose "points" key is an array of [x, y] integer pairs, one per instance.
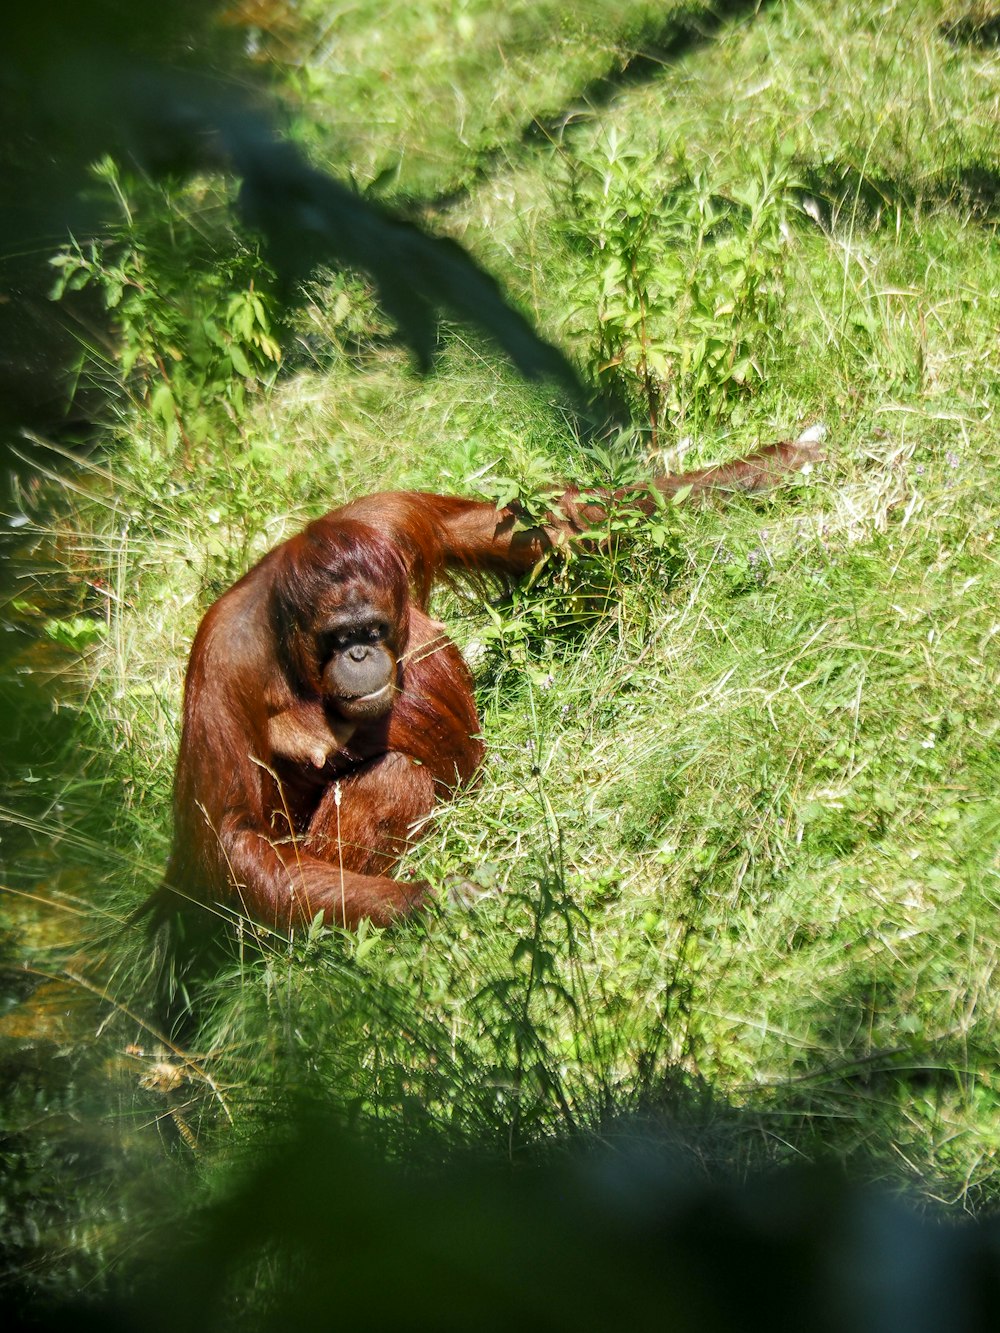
{"points": [[680, 294], [189, 300]]}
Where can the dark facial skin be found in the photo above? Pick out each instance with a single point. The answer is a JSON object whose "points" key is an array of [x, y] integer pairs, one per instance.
{"points": [[358, 646], [359, 676]]}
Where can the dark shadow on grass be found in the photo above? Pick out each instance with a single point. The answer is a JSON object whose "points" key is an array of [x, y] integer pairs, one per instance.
{"points": [[662, 44], [867, 1088], [979, 27], [80, 84], [683, 34], [841, 192]]}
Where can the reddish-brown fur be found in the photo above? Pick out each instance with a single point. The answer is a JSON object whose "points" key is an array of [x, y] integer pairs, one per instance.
{"points": [[283, 806]]}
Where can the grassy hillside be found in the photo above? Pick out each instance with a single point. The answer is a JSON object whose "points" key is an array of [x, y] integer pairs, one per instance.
{"points": [[738, 831]]}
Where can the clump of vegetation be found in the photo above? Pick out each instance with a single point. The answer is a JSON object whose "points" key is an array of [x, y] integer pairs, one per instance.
{"points": [[682, 301], [190, 301]]}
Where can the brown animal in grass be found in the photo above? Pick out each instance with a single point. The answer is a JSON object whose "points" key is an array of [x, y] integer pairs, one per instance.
{"points": [[326, 713]]}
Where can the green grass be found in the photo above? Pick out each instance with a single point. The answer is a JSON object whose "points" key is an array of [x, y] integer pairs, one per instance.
{"points": [[423, 99], [738, 830]]}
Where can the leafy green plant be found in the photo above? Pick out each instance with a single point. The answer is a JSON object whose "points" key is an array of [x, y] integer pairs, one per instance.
{"points": [[78, 632], [681, 286], [190, 301], [581, 586]]}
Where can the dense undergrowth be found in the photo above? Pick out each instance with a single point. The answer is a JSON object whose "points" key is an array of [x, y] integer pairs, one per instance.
{"points": [[738, 831]]}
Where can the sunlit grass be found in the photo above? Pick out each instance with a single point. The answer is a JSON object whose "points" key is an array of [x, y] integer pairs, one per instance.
{"points": [[741, 801]]}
